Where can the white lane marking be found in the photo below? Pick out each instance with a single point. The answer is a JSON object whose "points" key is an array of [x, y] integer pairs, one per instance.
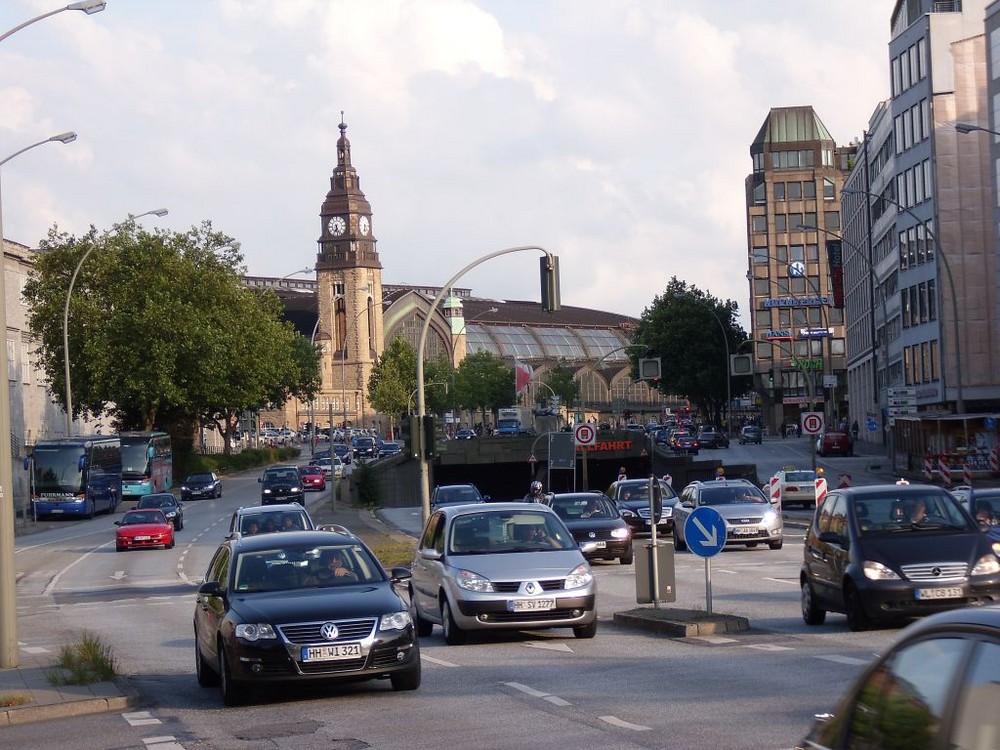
{"points": [[842, 659], [615, 721], [789, 581], [548, 645], [769, 647], [167, 742], [140, 718], [55, 579], [714, 639], [432, 660], [34, 650], [525, 689], [118, 575], [556, 700]]}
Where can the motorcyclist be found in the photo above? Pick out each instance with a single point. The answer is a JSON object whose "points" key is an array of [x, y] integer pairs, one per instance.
{"points": [[535, 494]]}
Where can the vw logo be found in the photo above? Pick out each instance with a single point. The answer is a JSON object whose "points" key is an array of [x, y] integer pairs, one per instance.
{"points": [[592, 535], [329, 631], [935, 571]]}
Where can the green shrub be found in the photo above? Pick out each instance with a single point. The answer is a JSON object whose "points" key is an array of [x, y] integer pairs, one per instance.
{"points": [[365, 480], [13, 699], [87, 660]]}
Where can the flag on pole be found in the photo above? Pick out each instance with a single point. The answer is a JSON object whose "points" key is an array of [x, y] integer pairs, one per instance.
{"points": [[522, 377]]}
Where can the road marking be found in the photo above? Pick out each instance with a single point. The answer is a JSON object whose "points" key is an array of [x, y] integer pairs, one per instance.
{"points": [[769, 647], [55, 580], [556, 700], [615, 721], [167, 742], [789, 581], [854, 661], [713, 639], [140, 718], [549, 646], [525, 689], [441, 662], [34, 650], [118, 575]]}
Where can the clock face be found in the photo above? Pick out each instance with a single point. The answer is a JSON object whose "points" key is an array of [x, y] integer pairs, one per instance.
{"points": [[336, 225], [363, 225]]}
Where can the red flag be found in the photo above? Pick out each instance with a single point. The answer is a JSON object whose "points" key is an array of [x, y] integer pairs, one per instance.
{"points": [[522, 377]]}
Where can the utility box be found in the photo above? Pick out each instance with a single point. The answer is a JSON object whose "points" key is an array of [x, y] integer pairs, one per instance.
{"points": [[666, 588]]}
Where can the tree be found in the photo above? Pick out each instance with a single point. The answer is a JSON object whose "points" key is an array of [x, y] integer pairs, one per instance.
{"points": [[484, 382], [682, 327], [440, 398], [162, 331], [394, 378], [564, 385]]}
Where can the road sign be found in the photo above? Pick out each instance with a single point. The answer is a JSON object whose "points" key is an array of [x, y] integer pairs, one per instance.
{"points": [[797, 269], [872, 426], [705, 532], [812, 422], [990, 423], [585, 434]]}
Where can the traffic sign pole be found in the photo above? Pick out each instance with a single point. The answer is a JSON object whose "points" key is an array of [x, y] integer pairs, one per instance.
{"points": [[705, 534]]}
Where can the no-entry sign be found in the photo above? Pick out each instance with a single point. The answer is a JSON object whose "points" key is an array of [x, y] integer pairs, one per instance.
{"points": [[585, 434], [812, 422]]}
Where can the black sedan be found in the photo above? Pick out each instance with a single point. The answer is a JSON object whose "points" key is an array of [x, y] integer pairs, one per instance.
{"points": [[173, 510], [709, 437], [889, 552], [632, 498], [299, 607], [202, 485], [686, 443], [592, 517]]}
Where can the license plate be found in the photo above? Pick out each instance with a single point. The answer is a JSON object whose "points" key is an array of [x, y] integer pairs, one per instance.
{"points": [[57, 510], [953, 592], [142, 538], [744, 531], [530, 605], [329, 653], [601, 545]]}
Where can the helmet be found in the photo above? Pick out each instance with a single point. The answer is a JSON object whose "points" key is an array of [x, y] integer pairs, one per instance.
{"points": [[536, 487]]}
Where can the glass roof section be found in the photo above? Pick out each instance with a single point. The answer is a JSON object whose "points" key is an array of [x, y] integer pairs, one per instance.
{"points": [[560, 342], [517, 341], [477, 340], [601, 343]]}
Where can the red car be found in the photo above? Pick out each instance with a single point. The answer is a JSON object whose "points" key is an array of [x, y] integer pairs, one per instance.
{"points": [[144, 528], [836, 442], [312, 477]]}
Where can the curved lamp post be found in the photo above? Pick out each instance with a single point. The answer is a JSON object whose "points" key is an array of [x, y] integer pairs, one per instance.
{"points": [[87, 6], [959, 398], [69, 295], [425, 477]]}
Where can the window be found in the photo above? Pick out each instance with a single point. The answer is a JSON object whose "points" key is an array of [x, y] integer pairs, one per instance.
{"points": [[838, 347], [758, 223], [26, 364], [809, 218], [796, 252], [760, 255], [781, 253], [831, 219], [828, 189], [812, 251], [794, 191], [780, 223], [761, 287], [779, 191], [11, 361], [760, 193], [897, 81]]}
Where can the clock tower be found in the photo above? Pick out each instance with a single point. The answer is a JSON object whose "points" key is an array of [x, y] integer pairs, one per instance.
{"points": [[349, 295]]}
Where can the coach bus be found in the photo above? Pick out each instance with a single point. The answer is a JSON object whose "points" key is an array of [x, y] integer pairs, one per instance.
{"points": [[147, 463], [75, 476]]}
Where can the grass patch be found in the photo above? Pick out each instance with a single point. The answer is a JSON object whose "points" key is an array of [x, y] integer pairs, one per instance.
{"points": [[87, 660], [391, 551], [8, 700]]}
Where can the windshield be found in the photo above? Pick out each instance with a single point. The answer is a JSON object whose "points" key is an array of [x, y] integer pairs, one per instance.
{"points": [[639, 490], [584, 507], [507, 531], [799, 476], [457, 495], [135, 459], [57, 470], [732, 496], [143, 516], [287, 568], [906, 512], [281, 475], [199, 478]]}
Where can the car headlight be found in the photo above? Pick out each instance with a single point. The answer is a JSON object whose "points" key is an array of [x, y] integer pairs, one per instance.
{"points": [[619, 533], [267, 491], [987, 565], [876, 571], [996, 548], [184, 488], [579, 577], [296, 488], [255, 631], [470, 581], [394, 621], [770, 517], [667, 511]]}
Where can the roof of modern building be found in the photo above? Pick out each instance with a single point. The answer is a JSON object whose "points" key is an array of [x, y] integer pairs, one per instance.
{"points": [[791, 125]]}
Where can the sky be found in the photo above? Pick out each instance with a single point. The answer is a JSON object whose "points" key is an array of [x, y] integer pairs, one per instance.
{"points": [[613, 133]]}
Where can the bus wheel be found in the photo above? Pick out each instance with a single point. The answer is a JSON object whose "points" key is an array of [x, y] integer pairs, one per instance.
{"points": [[93, 509]]}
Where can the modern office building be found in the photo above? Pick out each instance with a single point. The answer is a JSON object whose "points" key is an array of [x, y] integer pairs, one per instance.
{"points": [[793, 207]]}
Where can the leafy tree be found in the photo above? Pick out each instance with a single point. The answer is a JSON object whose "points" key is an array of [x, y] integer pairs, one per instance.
{"points": [[484, 383], [162, 331], [393, 379], [684, 326], [440, 398], [564, 385]]}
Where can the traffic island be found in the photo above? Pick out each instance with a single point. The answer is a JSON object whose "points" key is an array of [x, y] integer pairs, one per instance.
{"points": [[681, 623]]}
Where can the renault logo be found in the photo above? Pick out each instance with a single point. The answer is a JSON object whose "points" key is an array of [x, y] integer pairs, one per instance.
{"points": [[329, 631], [530, 587]]}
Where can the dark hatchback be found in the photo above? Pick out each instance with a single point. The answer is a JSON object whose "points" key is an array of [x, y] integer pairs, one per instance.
{"points": [[632, 498], [281, 484], [266, 615], [935, 687], [711, 437], [165, 501], [202, 485], [888, 552], [592, 517]]}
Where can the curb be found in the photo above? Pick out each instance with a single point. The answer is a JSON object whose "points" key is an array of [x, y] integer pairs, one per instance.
{"points": [[30, 713], [682, 623]]}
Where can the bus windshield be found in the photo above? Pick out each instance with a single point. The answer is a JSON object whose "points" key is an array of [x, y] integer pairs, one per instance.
{"points": [[135, 458], [147, 463], [57, 470]]}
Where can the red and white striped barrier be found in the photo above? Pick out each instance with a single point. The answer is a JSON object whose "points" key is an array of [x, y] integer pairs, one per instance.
{"points": [[928, 468], [821, 488], [995, 460], [944, 469], [967, 474], [776, 490]]}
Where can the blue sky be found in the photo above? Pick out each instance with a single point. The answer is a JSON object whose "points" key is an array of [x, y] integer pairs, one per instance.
{"points": [[614, 133]]}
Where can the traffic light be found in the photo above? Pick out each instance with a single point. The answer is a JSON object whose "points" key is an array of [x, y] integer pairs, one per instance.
{"points": [[412, 438], [549, 268], [428, 437], [740, 364], [649, 368]]}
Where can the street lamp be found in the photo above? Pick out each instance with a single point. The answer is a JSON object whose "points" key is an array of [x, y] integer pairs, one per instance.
{"points": [[87, 6], [959, 399], [966, 127], [69, 295], [8, 582]]}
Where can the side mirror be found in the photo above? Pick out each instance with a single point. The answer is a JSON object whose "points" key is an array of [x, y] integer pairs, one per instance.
{"points": [[210, 588], [118, 523], [486, 498], [400, 574], [430, 554]]}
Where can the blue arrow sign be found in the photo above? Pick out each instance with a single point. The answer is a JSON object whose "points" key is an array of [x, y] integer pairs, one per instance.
{"points": [[872, 426], [705, 532]]}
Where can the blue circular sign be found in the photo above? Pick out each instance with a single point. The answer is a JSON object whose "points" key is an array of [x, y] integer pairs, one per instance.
{"points": [[990, 423], [705, 532], [872, 426]]}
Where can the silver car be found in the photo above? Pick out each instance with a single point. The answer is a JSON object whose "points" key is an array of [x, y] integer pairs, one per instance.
{"points": [[749, 516], [509, 566]]}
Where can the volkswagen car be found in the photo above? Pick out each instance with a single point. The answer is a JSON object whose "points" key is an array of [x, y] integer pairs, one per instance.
{"points": [[165, 501], [281, 484], [204, 484], [632, 498], [593, 517], [267, 615], [500, 566]]}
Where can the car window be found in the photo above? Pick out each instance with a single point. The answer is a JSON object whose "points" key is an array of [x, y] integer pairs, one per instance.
{"points": [[906, 696], [218, 569], [143, 516], [834, 506], [976, 719], [799, 476], [908, 512], [507, 531], [731, 496]]}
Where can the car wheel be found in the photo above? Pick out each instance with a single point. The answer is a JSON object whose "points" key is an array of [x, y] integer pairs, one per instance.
{"points": [[776, 545], [453, 634], [232, 693], [857, 618], [679, 544], [585, 631], [627, 558], [422, 626], [92, 511], [180, 524], [170, 545], [119, 548], [207, 677], [811, 613], [408, 680]]}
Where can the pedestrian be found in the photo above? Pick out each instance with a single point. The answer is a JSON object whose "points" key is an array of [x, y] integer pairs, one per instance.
{"points": [[855, 429], [622, 476], [720, 473]]}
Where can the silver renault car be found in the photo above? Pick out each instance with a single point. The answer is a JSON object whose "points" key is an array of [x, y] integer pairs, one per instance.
{"points": [[511, 566]]}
